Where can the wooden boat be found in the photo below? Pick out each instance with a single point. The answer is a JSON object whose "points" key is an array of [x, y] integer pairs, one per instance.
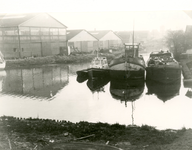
{"points": [[82, 75], [164, 91], [129, 65], [98, 68], [162, 67], [2, 62]]}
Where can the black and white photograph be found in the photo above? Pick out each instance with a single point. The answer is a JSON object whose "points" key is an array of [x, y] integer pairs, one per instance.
{"points": [[95, 75]]}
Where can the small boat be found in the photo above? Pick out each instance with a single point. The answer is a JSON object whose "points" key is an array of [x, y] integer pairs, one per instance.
{"points": [[162, 67], [82, 75], [98, 68], [129, 65], [2, 62]]}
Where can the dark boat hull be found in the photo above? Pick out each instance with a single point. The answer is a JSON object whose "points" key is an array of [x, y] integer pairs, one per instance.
{"points": [[95, 73], [130, 68], [163, 73], [129, 74], [83, 73]]}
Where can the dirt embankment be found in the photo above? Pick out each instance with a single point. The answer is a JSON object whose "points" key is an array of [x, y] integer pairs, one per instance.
{"points": [[27, 134]]}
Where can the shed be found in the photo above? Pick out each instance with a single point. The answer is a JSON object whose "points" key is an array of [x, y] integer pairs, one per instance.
{"points": [[107, 39], [81, 41], [31, 35]]}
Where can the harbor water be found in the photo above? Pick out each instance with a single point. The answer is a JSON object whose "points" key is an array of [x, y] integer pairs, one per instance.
{"points": [[52, 92]]}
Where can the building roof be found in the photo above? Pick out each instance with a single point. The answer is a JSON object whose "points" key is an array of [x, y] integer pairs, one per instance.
{"points": [[15, 19], [99, 33], [11, 20], [73, 33], [189, 13]]}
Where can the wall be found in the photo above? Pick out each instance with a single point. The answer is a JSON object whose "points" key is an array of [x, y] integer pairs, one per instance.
{"points": [[30, 41]]}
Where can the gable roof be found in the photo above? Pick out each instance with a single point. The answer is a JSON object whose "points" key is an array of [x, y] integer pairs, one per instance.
{"points": [[72, 33], [189, 13], [15, 19], [11, 20], [99, 33]]}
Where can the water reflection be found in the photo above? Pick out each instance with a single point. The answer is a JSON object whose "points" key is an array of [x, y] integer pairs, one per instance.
{"points": [[188, 84], [127, 91], [164, 91], [36, 82], [97, 84]]}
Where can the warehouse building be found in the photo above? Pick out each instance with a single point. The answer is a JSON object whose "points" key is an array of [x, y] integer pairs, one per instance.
{"points": [[31, 35]]}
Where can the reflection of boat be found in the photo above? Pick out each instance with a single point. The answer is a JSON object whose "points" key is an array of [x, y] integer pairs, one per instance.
{"points": [[126, 90], [188, 84], [99, 68], [164, 91], [189, 93], [128, 66], [2, 62], [97, 84], [162, 67]]}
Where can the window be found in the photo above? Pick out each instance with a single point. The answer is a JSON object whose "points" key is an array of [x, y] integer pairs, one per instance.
{"points": [[62, 31], [35, 31], [44, 31], [53, 31], [24, 31]]}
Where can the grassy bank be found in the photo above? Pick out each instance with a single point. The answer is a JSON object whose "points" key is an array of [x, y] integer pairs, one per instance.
{"points": [[39, 61], [29, 133]]}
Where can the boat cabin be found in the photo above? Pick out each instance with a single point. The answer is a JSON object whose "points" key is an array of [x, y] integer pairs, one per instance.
{"points": [[132, 49], [160, 58], [99, 62]]}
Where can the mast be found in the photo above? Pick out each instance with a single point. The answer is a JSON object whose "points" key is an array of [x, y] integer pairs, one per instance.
{"points": [[133, 40]]}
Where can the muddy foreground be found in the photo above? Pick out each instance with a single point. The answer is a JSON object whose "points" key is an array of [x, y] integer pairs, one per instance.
{"points": [[37, 134]]}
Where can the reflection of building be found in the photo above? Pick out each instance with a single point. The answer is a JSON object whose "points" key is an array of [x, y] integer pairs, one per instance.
{"points": [[81, 41], [26, 35], [37, 82]]}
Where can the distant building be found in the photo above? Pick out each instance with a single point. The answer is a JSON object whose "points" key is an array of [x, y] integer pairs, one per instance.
{"points": [[81, 41], [139, 36], [107, 39], [32, 34]]}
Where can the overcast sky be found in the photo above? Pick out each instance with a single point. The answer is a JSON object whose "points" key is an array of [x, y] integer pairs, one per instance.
{"points": [[108, 14]]}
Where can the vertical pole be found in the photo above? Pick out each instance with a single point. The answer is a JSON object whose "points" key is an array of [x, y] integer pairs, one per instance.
{"points": [[133, 40], [19, 42]]}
